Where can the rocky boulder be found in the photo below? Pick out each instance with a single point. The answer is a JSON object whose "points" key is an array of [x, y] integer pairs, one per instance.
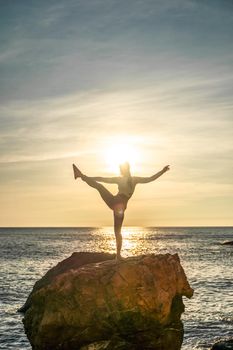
{"points": [[132, 304]]}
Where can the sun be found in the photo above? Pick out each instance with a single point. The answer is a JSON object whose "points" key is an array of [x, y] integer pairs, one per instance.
{"points": [[119, 151]]}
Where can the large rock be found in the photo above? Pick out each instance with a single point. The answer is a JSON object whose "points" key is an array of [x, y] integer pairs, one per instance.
{"points": [[132, 304]]}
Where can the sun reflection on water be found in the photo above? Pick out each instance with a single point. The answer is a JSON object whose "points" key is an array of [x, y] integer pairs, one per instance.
{"points": [[133, 240]]}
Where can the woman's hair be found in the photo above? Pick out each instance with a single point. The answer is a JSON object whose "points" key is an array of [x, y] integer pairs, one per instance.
{"points": [[126, 169]]}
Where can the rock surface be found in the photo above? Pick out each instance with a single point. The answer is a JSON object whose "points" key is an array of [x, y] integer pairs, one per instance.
{"points": [[75, 261], [133, 304]]}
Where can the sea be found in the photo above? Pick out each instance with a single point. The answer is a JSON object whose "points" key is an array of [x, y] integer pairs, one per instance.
{"points": [[27, 253]]}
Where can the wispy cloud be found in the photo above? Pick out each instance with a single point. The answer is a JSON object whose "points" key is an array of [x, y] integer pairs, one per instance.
{"points": [[184, 118]]}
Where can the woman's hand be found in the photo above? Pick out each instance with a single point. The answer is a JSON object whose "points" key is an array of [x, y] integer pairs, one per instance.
{"points": [[166, 168]]}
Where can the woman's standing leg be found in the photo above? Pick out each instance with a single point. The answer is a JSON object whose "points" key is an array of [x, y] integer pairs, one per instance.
{"points": [[118, 220]]}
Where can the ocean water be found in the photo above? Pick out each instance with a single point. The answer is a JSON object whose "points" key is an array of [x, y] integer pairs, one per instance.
{"points": [[27, 253]]}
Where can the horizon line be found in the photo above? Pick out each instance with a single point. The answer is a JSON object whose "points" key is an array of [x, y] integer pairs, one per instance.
{"points": [[172, 226]]}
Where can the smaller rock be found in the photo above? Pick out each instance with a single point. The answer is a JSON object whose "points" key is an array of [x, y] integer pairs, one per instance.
{"points": [[223, 345], [227, 243]]}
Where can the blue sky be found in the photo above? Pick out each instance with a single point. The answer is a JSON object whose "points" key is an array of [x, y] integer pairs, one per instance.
{"points": [[78, 74]]}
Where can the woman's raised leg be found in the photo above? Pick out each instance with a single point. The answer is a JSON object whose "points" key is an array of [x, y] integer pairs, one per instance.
{"points": [[106, 195], [118, 220]]}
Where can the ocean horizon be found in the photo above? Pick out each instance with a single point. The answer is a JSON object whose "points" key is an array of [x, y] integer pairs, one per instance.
{"points": [[172, 226]]}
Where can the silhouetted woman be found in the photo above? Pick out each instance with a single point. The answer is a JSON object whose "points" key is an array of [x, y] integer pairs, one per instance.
{"points": [[118, 203]]}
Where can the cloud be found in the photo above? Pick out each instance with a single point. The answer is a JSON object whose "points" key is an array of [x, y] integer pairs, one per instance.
{"points": [[182, 118], [57, 49]]}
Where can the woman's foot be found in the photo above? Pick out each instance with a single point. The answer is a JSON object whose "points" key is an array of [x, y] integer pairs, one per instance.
{"points": [[119, 258], [77, 172]]}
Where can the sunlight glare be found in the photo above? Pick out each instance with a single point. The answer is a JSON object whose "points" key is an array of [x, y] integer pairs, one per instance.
{"points": [[121, 151]]}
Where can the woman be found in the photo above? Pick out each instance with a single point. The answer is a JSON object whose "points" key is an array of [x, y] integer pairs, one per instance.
{"points": [[118, 203]]}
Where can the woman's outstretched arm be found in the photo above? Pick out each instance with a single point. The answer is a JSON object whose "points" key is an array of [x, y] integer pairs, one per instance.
{"points": [[110, 180], [144, 180]]}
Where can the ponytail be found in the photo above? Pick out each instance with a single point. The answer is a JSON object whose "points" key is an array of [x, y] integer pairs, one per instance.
{"points": [[130, 182]]}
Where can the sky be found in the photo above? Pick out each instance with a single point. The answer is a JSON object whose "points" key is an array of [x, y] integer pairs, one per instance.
{"points": [[82, 81]]}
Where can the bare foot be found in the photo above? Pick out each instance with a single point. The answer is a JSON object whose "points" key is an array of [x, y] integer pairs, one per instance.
{"points": [[119, 258], [77, 172]]}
